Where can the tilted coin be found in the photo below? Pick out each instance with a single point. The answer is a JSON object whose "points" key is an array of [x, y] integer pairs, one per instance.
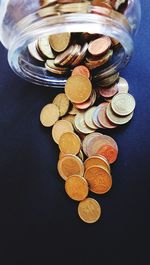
{"points": [[99, 180], [44, 47], [92, 64], [49, 115], [95, 116], [88, 117], [59, 42], [123, 104], [116, 119], [106, 82], [59, 128], [62, 102], [70, 118], [98, 160], [101, 4], [69, 143], [63, 56], [89, 210], [76, 187], [81, 55], [73, 110], [33, 51], [99, 46], [122, 85], [78, 89], [81, 125], [103, 119], [70, 165], [51, 67]]}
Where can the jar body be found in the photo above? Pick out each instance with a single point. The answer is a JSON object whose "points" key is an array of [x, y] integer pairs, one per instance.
{"points": [[22, 22]]}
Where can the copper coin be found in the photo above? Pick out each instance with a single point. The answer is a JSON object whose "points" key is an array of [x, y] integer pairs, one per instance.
{"points": [[78, 89], [95, 143], [44, 3], [99, 46], [59, 42], [92, 64], [109, 152], [69, 143], [73, 110], [122, 85], [123, 104], [88, 117], [101, 4], [97, 160], [64, 55], [99, 180], [81, 125], [103, 119], [70, 165], [108, 92], [49, 115], [33, 51], [89, 210], [81, 70], [116, 119], [62, 102], [76, 187], [59, 128], [108, 81], [81, 155]]}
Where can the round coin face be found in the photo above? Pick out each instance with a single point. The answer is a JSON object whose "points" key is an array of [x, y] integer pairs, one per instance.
{"points": [[89, 118], [76, 187], [109, 91], [62, 102], [123, 104], [70, 165], [102, 117], [81, 125], [122, 85], [69, 143], [89, 210], [97, 160], [116, 119], [99, 46], [78, 89], [59, 128], [109, 152], [81, 70], [99, 180], [49, 115], [59, 42]]}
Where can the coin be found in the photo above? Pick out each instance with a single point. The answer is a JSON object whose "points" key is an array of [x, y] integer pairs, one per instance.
{"points": [[123, 104], [44, 47], [63, 56], [87, 139], [108, 92], [97, 160], [81, 70], [81, 125], [116, 119], [89, 210], [69, 118], [44, 3], [51, 67], [81, 55], [99, 180], [72, 56], [122, 85], [69, 143], [33, 51], [95, 116], [88, 117], [62, 102], [88, 102], [49, 115], [99, 46], [73, 110], [59, 128], [92, 64], [78, 89], [102, 117], [74, 7], [109, 152], [70, 165], [76, 187], [101, 4], [59, 42]]}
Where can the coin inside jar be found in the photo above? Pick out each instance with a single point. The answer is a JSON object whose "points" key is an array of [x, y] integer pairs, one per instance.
{"points": [[89, 210], [76, 187], [59, 42], [99, 46], [69, 143]]}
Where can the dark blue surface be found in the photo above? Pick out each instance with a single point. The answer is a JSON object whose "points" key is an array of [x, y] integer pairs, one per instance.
{"points": [[38, 222]]}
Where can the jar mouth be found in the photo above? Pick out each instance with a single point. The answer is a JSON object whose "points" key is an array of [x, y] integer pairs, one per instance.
{"points": [[32, 28]]}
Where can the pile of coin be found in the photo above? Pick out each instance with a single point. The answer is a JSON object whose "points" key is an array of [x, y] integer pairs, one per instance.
{"points": [[85, 155]]}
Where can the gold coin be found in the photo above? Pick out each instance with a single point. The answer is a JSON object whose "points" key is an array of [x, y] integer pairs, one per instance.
{"points": [[80, 124], [97, 160], [99, 180], [33, 51], [78, 89], [76, 187], [89, 210], [73, 110], [69, 118], [89, 118], [70, 165], [119, 120], [59, 128], [59, 42], [123, 104], [44, 3], [81, 155], [62, 102], [44, 47], [49, 115], [74, 7], [69, 143], [61, 155]]}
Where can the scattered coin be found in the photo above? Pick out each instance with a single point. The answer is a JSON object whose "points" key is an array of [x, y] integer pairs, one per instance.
{"points": [[109, 91], [88, 117], [123, 104], [122, 85], [49, 115], [99, 180], [59, 128], [62, 102], [97, 160], [69, 143], [70, 165], [76, 187], [103, 119], [81, 70], [89, 210], [80, 124], [108, 152], [116, 119]]}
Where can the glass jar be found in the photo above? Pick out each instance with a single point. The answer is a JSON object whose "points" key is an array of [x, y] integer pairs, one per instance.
{"points": [[24, 21]]}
